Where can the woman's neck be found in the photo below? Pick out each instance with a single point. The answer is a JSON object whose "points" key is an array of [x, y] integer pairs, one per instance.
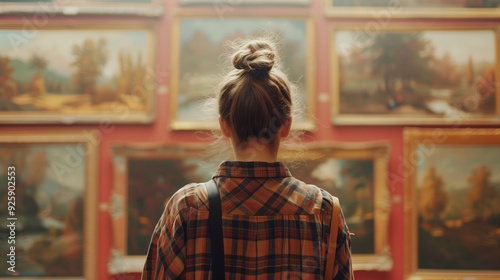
{"points": [[255, 150]]}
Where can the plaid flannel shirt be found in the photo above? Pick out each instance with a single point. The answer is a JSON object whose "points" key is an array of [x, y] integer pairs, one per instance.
{"points": [[274, 227]]}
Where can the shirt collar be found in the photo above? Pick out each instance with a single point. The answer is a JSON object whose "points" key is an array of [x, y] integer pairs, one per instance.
{"points": [[252, 169]]}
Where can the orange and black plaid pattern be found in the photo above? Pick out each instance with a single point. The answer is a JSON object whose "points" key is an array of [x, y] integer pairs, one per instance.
{"points": [[275, 227]]}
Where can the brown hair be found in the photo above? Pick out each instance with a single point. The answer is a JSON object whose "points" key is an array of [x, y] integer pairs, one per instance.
{"points": [[255, 97]]}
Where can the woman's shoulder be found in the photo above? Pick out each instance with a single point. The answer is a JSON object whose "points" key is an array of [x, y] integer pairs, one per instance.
{"points": [[192, 195], [322, 198]]}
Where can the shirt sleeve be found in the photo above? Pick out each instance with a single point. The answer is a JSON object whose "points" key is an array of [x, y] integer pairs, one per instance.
{"points": [[343, 264], [166, 254]]}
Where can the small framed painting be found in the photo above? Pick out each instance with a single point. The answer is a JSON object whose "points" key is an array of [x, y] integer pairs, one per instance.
{"points": [[48, 189], [356, 174], [452, 202]]}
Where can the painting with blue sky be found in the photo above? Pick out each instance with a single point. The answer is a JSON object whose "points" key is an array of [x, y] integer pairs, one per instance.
{"points": [[458, 191], [80, 73], [421, 73], [203, 50]]}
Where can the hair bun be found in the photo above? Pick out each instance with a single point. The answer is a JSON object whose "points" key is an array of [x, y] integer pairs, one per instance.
{"points": [[256, 56]]}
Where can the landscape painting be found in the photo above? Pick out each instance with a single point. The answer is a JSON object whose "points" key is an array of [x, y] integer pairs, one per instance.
{"points": [[54, 239], [355, 173], [418, 3], [456, 216], [147, 177], [226, 6], [421, 76], [50, 8], [76, 75], [200, 49], [413, 8]]}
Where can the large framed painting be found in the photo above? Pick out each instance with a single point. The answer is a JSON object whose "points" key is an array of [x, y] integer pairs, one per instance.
{"points": [[452, 202], [200, 44], [48, 193], [145, 177], [93, 74], [385, 10], [43, 10], [425, 75], [356, 173]]}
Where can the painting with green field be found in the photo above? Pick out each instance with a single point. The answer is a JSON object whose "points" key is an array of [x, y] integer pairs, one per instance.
{"points": [[76, 75], [415, 75], [202, 50]]}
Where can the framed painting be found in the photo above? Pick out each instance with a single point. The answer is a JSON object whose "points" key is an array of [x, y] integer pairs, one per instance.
{"points": [[404, 75], [225, 4], [356, 174], [45, 9], [387, 9], [145, 176], [77, 75], [49, 198], [200, 43], [452, 203]]}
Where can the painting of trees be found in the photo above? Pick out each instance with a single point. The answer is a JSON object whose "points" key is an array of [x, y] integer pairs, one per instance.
{"points": [[411, 73], [131, 75], [433, 198], [90, 58]]}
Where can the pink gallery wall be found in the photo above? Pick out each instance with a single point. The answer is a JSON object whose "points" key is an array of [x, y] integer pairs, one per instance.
{"points": [[159, 131]]}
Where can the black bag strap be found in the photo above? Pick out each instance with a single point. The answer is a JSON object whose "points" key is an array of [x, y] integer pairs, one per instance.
{"points": [[215, 229]]}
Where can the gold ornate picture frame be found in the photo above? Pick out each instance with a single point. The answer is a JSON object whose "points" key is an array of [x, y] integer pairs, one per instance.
{"points": [[53, 193], [414, 75], [452, 204], [357, 174], [49, 8], [87, 73], [196, 74], [386, 10], [145, 176]]}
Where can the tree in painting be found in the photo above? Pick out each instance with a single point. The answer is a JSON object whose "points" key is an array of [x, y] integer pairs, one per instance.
{"points": [[38, 83], [482, 195], [432, 199], [7, 86], [131, 74], [89, 61], [400, 56]]}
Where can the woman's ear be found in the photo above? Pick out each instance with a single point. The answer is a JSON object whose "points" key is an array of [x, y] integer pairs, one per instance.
{"points": [[226, 131], [285, 129]]}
